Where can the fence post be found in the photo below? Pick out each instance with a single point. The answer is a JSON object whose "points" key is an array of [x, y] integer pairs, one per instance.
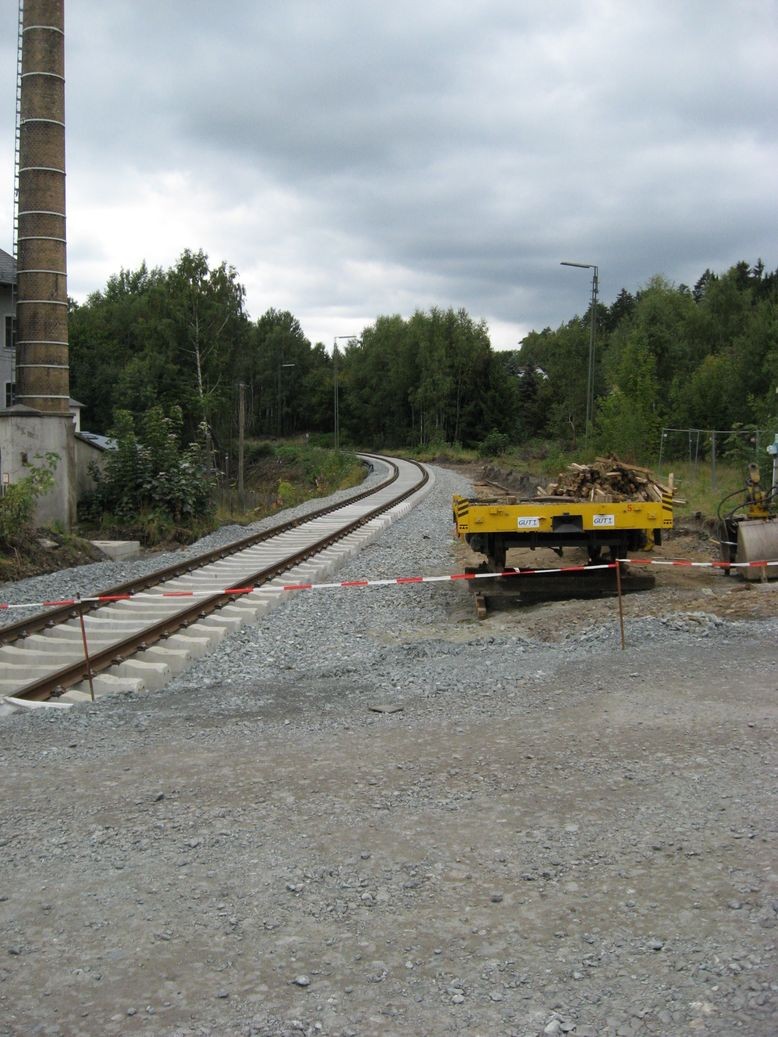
{"points": [[87, 660], [621, 601]]}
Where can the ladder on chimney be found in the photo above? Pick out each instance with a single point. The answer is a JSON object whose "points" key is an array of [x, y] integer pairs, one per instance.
{"points": [[18, 129], [17, 139]]}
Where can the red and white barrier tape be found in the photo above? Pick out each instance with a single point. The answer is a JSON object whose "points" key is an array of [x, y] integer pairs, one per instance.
{"points": [[396, 581]]}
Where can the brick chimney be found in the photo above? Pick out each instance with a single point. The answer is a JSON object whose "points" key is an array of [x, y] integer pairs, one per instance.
{"points": [[42, 380]]}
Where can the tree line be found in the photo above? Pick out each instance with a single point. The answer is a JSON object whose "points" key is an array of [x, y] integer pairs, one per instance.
{"points": [[704, 357], [668, 356]]}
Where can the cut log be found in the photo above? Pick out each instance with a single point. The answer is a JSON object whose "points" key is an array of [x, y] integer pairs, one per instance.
{"points": [[607, 480]]}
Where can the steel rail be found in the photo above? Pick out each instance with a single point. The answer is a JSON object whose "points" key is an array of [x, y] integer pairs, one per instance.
{"points": [[57, 682], [12, 632]]}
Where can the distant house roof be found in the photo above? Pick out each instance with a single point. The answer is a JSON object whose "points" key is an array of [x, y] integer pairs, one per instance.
{"points": [[101, 442], [7, 268]]}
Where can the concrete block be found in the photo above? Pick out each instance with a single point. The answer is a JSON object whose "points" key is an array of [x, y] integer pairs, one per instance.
{"points": [[118, 549], [153, 675], [34, 704], [107, 684]]}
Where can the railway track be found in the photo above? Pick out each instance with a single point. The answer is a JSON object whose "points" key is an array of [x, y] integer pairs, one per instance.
{"points": [[140, 634]]}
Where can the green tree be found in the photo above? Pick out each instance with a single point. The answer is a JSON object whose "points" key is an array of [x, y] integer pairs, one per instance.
{"points": [[170, 338], [377, 373], [288, 381], [113, 329], [151, 480], [561, 357], [432, 378], [429, 391], [711, 404], [529, 385], [628, 418], [207, 326]]}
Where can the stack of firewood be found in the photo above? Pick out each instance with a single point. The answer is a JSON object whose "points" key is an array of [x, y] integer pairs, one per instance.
{"points": [[607, 480]]}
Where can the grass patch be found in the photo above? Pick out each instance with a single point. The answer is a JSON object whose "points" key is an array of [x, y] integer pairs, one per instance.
{"points": [[283, 475], [434, 453], [43, 551], [699, 489]]}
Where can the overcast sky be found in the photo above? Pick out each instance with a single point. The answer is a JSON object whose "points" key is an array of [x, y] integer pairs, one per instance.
{"points": [[352, 158]]}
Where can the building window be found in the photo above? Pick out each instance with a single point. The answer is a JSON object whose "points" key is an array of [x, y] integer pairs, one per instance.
{"points": [[10, 393], [9, 331]]}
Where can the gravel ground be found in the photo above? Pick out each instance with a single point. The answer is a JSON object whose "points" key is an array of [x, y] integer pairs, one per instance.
{"points": [[372, 814]]}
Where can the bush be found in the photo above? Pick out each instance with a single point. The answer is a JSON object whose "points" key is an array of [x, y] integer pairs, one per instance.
{"points": [[289, 495], [17, 505], [324, 440], [740, 447], [496, 443], [150, 481], [257, 450]]}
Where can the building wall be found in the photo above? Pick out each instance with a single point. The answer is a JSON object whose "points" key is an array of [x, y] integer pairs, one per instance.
{"points": [[7, 358], [86, 454], [6, 310], [23, 435], [7, 366]]}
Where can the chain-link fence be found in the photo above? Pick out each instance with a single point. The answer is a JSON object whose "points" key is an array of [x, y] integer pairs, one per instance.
{"points": [[710, 447]]}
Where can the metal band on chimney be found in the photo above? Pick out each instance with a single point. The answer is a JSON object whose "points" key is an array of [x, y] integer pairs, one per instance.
{"points": [[54, 28], [54, 122], [41, 396]]}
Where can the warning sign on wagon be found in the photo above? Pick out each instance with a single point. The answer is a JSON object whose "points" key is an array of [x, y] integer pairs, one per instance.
{"points": [[603, 520]]}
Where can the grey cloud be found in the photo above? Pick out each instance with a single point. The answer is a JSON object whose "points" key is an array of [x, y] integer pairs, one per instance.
{"points": [[464, 149]]}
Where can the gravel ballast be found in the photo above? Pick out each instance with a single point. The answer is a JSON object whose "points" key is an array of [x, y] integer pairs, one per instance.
{"points": [[91, 579], [373, 814]]}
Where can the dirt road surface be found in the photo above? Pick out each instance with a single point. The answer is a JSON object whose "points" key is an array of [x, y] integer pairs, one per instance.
{"points": [[589, 848]]}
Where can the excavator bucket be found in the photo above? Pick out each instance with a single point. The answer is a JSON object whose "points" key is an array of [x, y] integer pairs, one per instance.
{"points": [[757, 541]]}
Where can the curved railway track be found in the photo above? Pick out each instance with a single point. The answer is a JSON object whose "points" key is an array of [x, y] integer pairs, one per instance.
{"points": [[139, 634]]}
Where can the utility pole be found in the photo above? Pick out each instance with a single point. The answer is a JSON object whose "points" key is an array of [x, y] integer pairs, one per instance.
{"points": [[241, 438], [592, 325], [336, 423]]}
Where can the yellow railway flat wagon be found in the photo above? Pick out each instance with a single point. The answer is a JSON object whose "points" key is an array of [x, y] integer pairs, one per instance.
{"points": [[493, 526]]}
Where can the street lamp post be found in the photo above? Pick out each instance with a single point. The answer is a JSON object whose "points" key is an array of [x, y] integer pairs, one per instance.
{"points": [[335, 403], [590, 373], [241, 437]]}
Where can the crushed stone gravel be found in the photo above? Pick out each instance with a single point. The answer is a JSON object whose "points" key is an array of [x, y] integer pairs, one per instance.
{"points": [[372, 814]]}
